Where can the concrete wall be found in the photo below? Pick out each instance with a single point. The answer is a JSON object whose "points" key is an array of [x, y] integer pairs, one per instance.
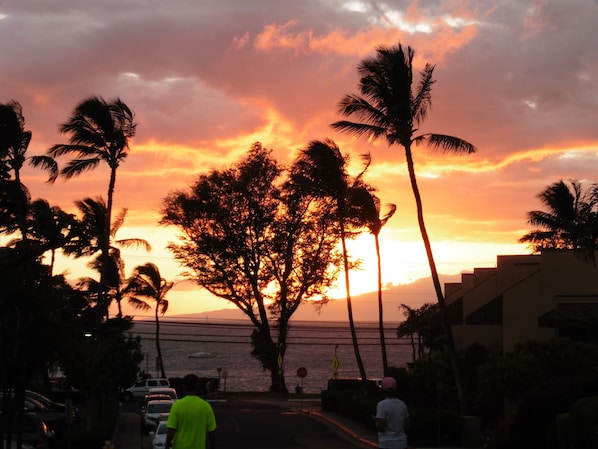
{"points": [[527, 286]]}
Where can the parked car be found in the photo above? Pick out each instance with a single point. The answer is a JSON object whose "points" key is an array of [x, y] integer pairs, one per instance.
{"points": [[56, 420], [34, 431], [73, 412], [152, 413], [171, 392], [153, 397], [159, 436], [141, 388], [36, 398]]}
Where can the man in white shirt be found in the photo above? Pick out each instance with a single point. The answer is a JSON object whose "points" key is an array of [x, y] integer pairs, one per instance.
{"points": [[392, 417]]}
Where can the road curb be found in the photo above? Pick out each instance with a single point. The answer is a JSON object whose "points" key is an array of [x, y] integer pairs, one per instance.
{"points": [[354, 436]]}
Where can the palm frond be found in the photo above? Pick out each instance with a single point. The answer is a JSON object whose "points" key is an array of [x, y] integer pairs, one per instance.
{"points": [[448, 144], [138, 303], [81, 151], [77, 166], [352, 105], [163, 306], [124, 117], [359, 129], [366, 158], [48, 164], [321, 167], [391, 209], [118, 221], [134, 243], [423, 98]]}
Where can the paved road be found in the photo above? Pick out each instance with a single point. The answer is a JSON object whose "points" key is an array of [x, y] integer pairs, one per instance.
{"points": [[266, 425], [251, 424]]}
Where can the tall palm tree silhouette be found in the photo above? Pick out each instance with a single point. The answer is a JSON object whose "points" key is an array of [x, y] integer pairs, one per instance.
{"points": [[322, 166], [391, 109], [370, 207], [14, 142], [147, 283], [99, 131]]}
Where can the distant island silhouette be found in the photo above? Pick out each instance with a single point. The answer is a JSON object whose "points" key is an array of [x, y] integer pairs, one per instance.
{"points": [[365, 306]]}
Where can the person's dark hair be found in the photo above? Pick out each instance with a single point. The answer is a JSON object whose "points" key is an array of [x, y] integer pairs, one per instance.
{"points": [[191, 383]]}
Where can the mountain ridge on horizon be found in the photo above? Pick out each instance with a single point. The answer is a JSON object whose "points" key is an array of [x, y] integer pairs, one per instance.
{"points": [[365, 306]]}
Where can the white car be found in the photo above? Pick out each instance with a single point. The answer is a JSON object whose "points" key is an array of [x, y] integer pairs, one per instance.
{"points": [[164, 390], [159, 436], [152, 413], [140, 389]]}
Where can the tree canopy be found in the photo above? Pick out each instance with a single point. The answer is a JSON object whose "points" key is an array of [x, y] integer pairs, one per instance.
{"points": [[570, 220], [252, 236]]}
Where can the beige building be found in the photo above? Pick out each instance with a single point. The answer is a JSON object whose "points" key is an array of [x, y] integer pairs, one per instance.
{"points": [[544, 296]]}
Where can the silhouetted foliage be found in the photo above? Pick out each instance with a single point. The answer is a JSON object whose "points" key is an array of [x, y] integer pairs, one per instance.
{"points": [[258, 240], [390, 108], [370, 207], [425, 329], [99, 131], [321, 169], [570, 221], [147, 283]]}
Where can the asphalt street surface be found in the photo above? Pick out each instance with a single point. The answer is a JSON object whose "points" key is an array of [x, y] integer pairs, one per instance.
{"points": [[254, 424]]}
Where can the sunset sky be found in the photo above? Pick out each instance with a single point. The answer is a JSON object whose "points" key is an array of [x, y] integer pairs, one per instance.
{"points": [[206, 79]]}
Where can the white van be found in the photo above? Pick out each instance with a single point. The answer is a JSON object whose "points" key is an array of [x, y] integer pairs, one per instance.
{"points": [[141, 388]]}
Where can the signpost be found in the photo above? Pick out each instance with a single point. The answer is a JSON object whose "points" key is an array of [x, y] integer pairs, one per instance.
{"points": [[219, 369], [335, 364], [225, 376], [301, 374]]}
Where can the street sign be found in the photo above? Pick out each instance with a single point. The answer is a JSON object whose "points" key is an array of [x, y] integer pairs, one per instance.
{"points": [[302, 372]]}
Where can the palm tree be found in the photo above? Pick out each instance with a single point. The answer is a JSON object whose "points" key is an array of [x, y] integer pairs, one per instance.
{"points": [[99, 132], [88, 242], [370, 207], [147, 283], [14, 142], [570, 221], [51, 227], [390, 108], [426, 324], [322, 167]]}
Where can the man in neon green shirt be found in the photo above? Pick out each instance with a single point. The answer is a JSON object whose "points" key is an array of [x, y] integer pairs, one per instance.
{"points": [[191, 422]]}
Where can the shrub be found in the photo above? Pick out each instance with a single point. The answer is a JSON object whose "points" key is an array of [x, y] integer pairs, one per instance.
{"points": [[357, 403], [584, 423], [435, 428]]}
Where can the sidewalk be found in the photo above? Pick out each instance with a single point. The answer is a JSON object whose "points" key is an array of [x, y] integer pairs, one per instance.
{"points": [[127, 433]]}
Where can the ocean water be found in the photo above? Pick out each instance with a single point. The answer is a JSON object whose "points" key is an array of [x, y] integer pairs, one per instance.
{"points": [[202, 347]]}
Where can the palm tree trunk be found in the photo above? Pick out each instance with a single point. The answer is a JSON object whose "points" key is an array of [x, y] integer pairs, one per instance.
{"points": [[380, 308], [158, 349], [350, 306], [22, 204], [105, 245], [436, 280]]}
